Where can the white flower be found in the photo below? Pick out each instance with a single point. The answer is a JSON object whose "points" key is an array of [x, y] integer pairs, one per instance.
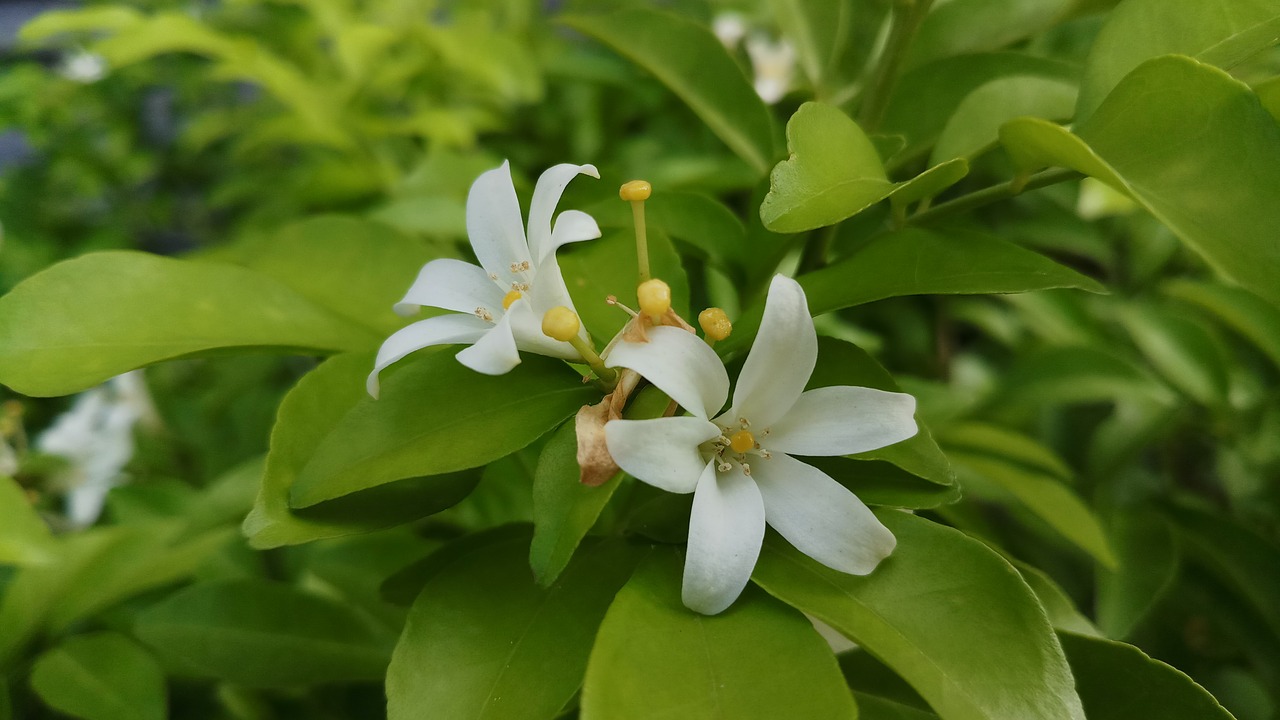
{"points": [[774, 64], [739, 465], [83, 67], [499, 305], [96, 438], [729, 28]]}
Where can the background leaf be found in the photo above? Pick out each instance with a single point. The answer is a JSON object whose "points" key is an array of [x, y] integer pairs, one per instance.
{"points": [[24, 537], [101, 677]]}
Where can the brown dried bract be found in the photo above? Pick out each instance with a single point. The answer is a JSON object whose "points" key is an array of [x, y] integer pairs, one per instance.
{"points": [[595, 463]]}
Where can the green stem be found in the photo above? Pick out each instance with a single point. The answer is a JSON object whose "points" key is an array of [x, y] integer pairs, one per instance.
{"points": [[642, 240], [907, 17], [608, 376], [992, 194]]}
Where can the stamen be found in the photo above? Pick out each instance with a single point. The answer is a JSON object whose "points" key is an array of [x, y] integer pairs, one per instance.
{"points": [[745, 424], [724, 466], [636, 192], [613, 300], [483, 314], [746, 469]]}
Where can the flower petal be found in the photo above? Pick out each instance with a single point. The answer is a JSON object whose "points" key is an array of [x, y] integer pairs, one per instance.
{"points": [[781, 359], [526, 326], [452, 285], [546, 195], [571, 226], [495, 353], [441, 330], [843, 420], [662, 452], [820, 516], [494, 224], [726, 529], [681, 364]]}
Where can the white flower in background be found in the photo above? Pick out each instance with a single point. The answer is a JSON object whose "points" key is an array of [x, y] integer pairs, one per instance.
{"points": [[498, 307], [95, 437], [83, 67], [774, 64], [739, 465], [729, 28]]}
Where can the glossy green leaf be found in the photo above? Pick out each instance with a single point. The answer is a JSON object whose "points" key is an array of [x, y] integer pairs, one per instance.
{"points": [[593, 271], [654, 657], [975, 126], [116, 311], [437, 416], [101, 677], [947, 614], [354, 268], [1149, 561], [1063, 613], [260, 634], [1243, 311], [968, 26], [24, 537], [1222, 33], [1188, 356], [700, 221], [690, 61], [483, 641], [833, 172], [1187, 180], [1120, 682], [872, 707]]}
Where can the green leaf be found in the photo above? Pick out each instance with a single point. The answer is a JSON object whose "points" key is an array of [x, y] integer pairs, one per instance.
{"points": [[1006, 445], [260, 634], [1120, 682], [24, 537], [692, 63], [975, 126], [1222, 33], [101, 677], [872, 707], [834, 172], [1243, 311], [758, 659], [1063, 613], [1069, 375], [437, 416], [595, 270], [1149, 562], [483, 641], [1148, 140], [818, 30], [946, 613], [1182, 350], [354, 268], [1045, 496], [82, 321], [969, 26], [877, 482], [55, 22]]}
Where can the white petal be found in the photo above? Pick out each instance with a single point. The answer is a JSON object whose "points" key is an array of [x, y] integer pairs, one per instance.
{"points": [[781, 359], [494, 224], [546, 195], [495, 353], [452, 285], [571, 226], [441, 330], [681, 364], [820, 516], [550, 291], [662, 452], [726, 529], [843, 420]]}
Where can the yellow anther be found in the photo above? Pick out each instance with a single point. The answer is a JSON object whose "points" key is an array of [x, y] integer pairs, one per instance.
{"points": [[742, 441], [510, 298], [715, 323], [635, 190], [655, 298], [560, 323]]}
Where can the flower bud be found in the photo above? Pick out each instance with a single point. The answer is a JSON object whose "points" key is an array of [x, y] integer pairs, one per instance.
{"points": [[655, 298], [560, 323], [635, 190], [715, 323]]}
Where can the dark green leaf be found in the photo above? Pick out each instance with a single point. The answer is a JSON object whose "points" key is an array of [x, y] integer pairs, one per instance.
{"points": [[1148, 566], [101, 677], [1076, 375], [1182, 350], [593, 271]]}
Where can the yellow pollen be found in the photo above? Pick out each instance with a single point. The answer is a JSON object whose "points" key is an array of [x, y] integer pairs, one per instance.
{"points": [[715, 323], [635, 190], [655, 298], [561, 323], [742, 441], [510, 298]]}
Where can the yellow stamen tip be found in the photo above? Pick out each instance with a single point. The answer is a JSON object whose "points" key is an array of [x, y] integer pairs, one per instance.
{"points": [[561, 323], [715, 323], [742, 441], [635, 190], [655, 298], [510, 298]]}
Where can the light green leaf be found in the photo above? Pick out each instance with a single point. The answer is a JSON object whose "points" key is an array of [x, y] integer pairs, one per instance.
{"points": [[483, 641], [437, 416], [1182, 350], [833, 172], [947, 614], [655, 658], [1149, 140], [975, 126], [1063, 613], [101, 677], [1149, 561], [1243, 311], [1120, 682], [595, 270], [260, 634], [24, 537], [82, 321], [690, 61], [969, 26], [56, 22], [1221, 33], [872, 707], [1007, 445]]}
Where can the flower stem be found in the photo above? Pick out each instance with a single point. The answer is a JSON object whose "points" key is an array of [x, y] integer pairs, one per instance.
{"points": [[907, 17], [642, 240], [995, 193], [607, 375]]}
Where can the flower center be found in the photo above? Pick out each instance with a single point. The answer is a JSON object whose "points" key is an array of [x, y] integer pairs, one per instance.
{"points": [[735, 445], [742, 441]]}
